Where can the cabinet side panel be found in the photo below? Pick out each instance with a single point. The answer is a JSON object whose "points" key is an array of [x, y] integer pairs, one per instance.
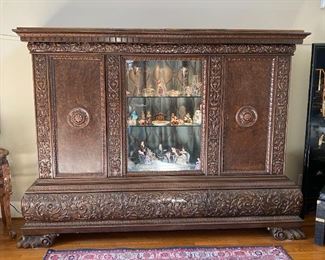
{"points": [[248, 85], [78, 83]]}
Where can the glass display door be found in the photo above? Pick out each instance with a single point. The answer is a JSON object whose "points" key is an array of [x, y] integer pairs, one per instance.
{"points": [[164, 115]]}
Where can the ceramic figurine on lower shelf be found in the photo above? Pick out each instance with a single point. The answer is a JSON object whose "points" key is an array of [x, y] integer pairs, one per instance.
{"points": [[160, 153], [145, 154], [184, 157], [198, 164]]}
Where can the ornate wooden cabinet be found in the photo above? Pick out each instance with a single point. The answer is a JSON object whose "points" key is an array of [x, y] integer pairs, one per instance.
{"points": [[160, 130]]}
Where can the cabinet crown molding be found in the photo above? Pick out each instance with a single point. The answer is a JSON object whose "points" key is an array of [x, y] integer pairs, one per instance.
{"points": [[160, 36]]}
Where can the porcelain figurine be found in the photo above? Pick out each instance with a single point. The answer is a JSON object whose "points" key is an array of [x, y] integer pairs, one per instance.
{"points": [[135, 80], [173, 119], [184, 78], [183, 157], [161, 88], [160, 153], [142, 120], [158, 76], [131, 122], [182, 112], [148, 118], [145, 154], [197, 118], [198, 164], [188, 91], [188, 119]]}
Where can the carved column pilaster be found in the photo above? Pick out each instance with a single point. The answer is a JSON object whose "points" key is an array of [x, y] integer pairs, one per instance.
{"points": [[43, 116], [214, 116], [114, 124], [280, 114]]}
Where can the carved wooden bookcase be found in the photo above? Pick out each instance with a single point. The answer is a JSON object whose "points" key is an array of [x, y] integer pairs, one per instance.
{"points": [[228, 171]]}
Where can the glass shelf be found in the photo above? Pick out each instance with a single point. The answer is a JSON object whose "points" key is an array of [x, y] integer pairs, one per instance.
{"points": [[164, 115], [193, 125], [164, 97]]}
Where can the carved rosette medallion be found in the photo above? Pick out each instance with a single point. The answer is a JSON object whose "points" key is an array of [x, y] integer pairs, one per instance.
{"points": [[78, 117], [246, 116]]}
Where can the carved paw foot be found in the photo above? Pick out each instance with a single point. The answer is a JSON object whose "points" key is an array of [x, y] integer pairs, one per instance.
{"points": [[37, 241], [12, 234], [283, 234]]}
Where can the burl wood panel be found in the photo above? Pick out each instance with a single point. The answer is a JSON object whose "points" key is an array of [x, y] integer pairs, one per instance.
{"points": [[78, 84], [247, 87]]}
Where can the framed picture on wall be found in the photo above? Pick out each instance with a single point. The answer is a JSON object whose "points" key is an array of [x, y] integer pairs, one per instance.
{"points": [[314, 161]]}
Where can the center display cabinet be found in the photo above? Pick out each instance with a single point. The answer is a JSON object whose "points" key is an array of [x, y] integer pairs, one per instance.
{"points": [[160, 130]]}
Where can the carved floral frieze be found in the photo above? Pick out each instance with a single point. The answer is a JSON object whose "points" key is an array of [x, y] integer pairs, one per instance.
{"points": [[38, 47], [57, 207]]}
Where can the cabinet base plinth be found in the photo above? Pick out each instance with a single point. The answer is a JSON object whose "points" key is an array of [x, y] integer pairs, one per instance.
{"points": [[50, 209]]}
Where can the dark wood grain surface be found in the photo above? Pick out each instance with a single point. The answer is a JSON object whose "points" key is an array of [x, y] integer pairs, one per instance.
{"points": [[80, 99]]}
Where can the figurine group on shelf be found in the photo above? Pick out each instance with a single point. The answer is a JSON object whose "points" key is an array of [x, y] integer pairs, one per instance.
{"points": [[160, 78], [171, 155], [146, 119]]}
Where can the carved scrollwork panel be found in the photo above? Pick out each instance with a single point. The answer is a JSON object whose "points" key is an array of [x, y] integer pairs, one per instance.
{"points": [[43, 118], [38, 47], [159, 205], [114, 124], [254, 203], [280, 114], [72, 207], [179, 204], [214, 115]]}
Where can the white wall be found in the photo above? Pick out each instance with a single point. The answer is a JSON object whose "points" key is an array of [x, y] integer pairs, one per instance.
{"points": [[17, 123]]}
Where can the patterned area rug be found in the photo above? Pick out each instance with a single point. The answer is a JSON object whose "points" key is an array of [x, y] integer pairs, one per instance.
{"points": [[197, 253]]}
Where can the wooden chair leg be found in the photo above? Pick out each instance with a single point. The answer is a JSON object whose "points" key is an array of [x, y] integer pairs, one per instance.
{"points": [[5, 192], [5, 211]]}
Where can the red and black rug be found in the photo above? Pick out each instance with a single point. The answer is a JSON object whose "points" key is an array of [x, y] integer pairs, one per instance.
{"points": [[197, 253]]}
